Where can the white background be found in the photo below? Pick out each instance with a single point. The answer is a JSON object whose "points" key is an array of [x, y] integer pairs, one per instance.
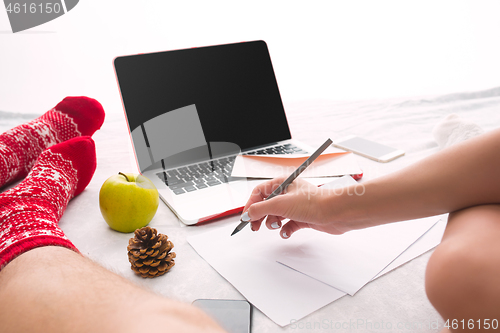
{"points": [[336, 50], [321, 50]]}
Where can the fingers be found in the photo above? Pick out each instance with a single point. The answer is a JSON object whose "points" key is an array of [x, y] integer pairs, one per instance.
{"points": [[271, 208], [259, 194], [262, 191], [276, 206], [291, 227], [255, 225], [273, 222], [286, 231]]}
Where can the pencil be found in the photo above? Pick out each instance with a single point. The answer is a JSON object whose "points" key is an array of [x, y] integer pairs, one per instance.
{"points": [[245, 219]]}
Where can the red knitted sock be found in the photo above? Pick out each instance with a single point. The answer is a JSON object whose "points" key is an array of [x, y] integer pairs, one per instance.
{"points": [[30, 212], [21, 146]]}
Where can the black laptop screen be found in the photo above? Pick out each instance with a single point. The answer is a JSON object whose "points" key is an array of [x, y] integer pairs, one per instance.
{"points": [[233, 89]]}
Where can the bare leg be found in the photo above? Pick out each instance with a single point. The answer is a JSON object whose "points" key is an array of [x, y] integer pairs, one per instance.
{"points": [[463, 274], [53, 289]]}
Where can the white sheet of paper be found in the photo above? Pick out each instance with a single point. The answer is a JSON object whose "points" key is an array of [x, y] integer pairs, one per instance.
{"points": [[281, 293], [247, 261], [271, 166], [427, 242], [349, 261]]}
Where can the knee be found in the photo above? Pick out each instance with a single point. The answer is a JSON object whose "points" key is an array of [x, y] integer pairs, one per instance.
{"points": [[441, 268], [457, 282]]}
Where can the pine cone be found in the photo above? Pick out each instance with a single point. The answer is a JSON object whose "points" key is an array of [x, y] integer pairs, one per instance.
{"points": [[149, 253]]}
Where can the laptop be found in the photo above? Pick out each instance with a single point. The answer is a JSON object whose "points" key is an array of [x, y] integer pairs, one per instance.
{"points": [[190, 112]]}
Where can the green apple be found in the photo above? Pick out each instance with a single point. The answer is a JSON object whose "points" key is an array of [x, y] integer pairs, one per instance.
{"points": [[128, 201]]}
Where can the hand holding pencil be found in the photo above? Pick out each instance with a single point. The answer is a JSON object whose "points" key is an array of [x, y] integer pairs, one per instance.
{"points": [[300, 202]]}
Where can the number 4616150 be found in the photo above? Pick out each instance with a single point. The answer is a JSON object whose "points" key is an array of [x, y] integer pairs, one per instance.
{"points": [[33, 8], [484, 324]]}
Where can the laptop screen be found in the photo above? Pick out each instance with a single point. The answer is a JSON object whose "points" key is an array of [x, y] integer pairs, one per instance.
{"points": [[232, 87]]}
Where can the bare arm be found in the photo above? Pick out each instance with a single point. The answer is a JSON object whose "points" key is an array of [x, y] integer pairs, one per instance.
{"points": [[464, 175]]}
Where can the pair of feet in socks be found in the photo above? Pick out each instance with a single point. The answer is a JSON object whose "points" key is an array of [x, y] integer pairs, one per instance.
{"points": [[57, 156]]}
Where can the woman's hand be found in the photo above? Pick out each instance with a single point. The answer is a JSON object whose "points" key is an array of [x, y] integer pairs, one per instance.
{"points": [[305, 204]]}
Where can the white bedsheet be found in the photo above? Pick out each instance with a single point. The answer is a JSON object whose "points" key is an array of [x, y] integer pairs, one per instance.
{"points": [[402, 123]]}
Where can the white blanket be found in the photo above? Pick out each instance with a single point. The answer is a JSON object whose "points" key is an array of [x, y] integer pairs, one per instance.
{"points": [[405, 123]]}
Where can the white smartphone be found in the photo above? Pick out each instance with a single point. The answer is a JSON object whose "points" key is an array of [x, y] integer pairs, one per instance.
{"points": [[369, 149], [233, 315]]}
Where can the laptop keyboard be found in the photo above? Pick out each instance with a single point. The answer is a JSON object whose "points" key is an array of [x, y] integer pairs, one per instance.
{"points": [[202, 175]]}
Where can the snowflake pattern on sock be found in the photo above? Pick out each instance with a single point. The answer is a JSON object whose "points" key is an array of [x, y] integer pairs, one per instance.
{"points": [[30, 212], [21, 146], [35, 206]]}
